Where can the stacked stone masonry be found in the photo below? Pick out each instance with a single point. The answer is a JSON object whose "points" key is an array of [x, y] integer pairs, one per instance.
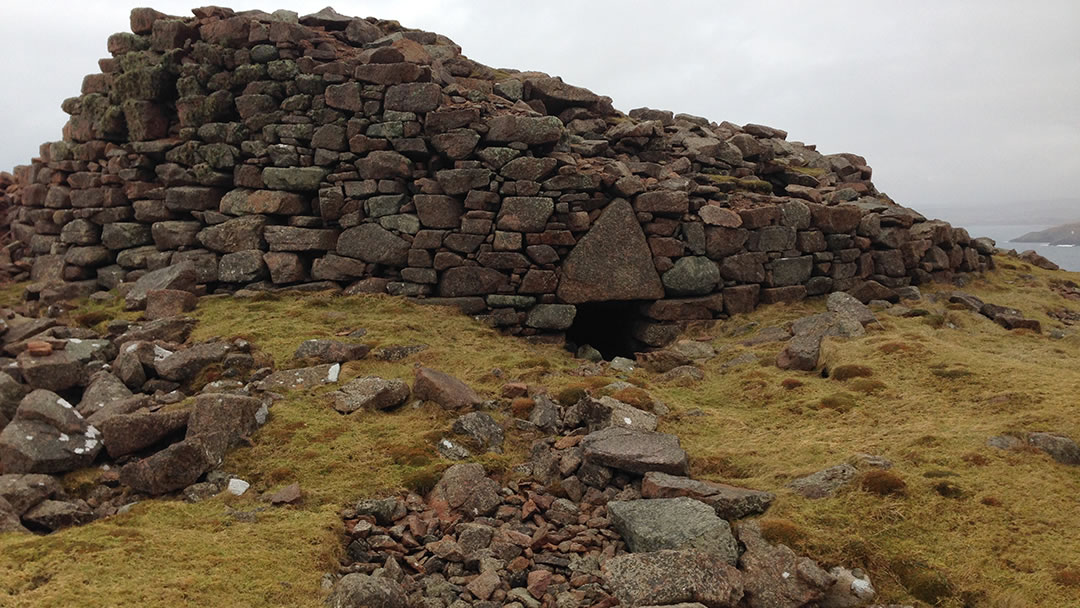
{"points": [[271, 151]]}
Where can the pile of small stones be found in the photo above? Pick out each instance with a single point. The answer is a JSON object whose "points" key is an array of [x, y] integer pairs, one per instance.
{"points": [[602, 514]]}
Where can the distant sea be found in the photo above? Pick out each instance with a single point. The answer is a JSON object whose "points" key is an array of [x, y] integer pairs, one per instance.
{"points": [[1066, 257]]}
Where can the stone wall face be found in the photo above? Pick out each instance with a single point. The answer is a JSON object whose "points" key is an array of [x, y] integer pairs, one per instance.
{"points": [[271, 151]]}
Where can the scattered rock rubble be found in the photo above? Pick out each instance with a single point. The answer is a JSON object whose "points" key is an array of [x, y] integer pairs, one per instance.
{"points": [[137, 401], [602, 514]]}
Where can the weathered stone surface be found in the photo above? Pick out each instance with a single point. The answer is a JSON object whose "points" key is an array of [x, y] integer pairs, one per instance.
{"points": [[843, 303], [22, 492], [370, 393], [447, 391], [55, 372], [129, 433], [163, 303], [178, 276], [655, 524], [774, 576], [361, 591], [29, 445], [470, 281], [222, 420], [293, 238], [330, 351], [171, 469], [527, 130], [102, 389], [301, 378], [174, 234], [611, 262], [481, 429], [551, 316], [670, 577], [183, 365], [792, 271], [438, 211], [729, 502], [374, 244], [635, 451], [413, 97], [465, 488], [1060, 447], [192, 198], [801, 353], [296, 179], [525, 213], [662, 201], [824, 483], [243, 202], [714, 215], [604, 412], [56, 514], [691, 276]]}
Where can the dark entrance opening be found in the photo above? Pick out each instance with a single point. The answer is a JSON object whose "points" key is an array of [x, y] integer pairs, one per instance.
{"points": [[607, 327]]}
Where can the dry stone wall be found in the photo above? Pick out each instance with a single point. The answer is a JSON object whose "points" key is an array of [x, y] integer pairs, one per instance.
{"points": [[270, 151]]}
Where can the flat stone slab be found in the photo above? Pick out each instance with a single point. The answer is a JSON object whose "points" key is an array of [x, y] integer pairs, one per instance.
{"points": [[653, 524], [304, 377], [664, 578], [824, 483], [729, 502], [370, 393], [635, 451]]}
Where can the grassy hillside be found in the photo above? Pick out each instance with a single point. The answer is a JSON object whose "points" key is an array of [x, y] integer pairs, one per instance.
{"points": [[973, 526]]}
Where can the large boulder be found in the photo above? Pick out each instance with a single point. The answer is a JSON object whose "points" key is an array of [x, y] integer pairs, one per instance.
{"points": [[653, 524], [362, 591], [184, 365], [465, 488], [635, 451], [223, 419], [729, 502], [606, 411], [177, 276], [1060, 447], [444, 389], [611, 262], [774, 576], [174, 468], [481, 429], [47, 435], [53, 515], [57, 371], [369, 393], [670, 577], [129, 433], [23, 492], [844, 303]]}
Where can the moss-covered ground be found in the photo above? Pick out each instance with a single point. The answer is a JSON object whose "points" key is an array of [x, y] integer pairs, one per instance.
{"points": [[970, 526]]}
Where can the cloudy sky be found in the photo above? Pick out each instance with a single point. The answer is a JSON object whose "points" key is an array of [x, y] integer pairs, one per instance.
{"points": [[957, 105]]}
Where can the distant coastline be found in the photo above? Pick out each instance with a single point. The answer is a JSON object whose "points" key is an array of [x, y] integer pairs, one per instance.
{"points": [[1067, 235], [1007, 236]]}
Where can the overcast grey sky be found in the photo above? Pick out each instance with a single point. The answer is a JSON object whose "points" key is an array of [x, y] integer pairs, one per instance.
{"points": [[954, 104]]}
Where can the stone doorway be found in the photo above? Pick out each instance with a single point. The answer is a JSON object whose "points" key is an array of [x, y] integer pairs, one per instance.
{"points": [[607, 327]]}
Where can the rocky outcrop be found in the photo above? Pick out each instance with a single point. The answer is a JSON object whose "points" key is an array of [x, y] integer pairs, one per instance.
{"points": [[242, 149]]}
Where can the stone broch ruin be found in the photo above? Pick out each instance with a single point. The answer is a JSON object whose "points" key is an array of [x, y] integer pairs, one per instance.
{"points": [[254, 151]]}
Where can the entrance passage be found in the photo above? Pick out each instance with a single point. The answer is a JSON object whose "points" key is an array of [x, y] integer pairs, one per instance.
{"points": [[607, 327]]}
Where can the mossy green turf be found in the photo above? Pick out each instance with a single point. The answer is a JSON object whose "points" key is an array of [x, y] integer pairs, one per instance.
{"points": [[999, 536]]}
